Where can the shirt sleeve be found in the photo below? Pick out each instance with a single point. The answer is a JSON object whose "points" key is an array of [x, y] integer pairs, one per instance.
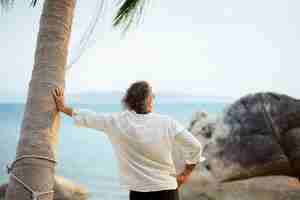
{"points": [[99, 121], [190, 147]]}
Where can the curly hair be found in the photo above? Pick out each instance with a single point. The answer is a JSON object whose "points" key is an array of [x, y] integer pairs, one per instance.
{"points": [[136, 96]]}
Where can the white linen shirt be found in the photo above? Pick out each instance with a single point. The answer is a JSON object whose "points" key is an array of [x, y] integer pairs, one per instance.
{"points": [[143, 146]]}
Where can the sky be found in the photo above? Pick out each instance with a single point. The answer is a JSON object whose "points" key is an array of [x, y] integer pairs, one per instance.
{"points": [[216, 48]]}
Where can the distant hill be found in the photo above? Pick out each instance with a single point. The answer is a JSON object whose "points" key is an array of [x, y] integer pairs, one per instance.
{"points": [[114, 97], [94, 98]]}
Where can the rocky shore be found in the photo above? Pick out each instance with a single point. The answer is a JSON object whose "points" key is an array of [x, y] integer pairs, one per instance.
{"points": [[252, 151]]}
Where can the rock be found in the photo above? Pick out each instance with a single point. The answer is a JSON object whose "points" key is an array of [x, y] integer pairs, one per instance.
{"points": [[245, 159], [257, 188], [202, 185], [66, 190], [253, 138], [63, 190], [201, 126], [2, 191]]}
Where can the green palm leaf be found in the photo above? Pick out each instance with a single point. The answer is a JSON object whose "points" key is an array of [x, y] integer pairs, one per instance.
{"points": [[33, 3], [129, 12], [6, 4]]}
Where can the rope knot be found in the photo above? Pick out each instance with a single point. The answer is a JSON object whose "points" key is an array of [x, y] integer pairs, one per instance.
{"points": [[8, 168]]}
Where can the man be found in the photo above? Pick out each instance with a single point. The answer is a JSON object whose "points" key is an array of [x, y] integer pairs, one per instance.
{"points": [[143, 142]]}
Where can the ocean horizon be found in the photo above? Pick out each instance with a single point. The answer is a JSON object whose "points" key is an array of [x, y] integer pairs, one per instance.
{"points": [[85, 156]]}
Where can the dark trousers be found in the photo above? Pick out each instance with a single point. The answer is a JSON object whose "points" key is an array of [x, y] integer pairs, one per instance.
{"points": [[156, 195]]}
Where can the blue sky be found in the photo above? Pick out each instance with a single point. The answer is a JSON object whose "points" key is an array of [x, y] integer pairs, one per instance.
{"points": [[216, 47]]}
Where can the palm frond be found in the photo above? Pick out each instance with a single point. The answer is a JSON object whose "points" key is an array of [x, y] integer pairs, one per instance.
{"points": [[6, 4], [33, 3], [129, 12]]}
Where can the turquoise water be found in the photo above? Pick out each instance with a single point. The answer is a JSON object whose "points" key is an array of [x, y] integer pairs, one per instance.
{"points": [[85, 156]]}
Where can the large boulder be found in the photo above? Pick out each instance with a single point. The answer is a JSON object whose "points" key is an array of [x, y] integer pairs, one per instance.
{"points": [[246, 160], [257, 135]]}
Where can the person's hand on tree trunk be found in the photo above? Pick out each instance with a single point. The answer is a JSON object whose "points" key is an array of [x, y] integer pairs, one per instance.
{"points": [[58, 95]]}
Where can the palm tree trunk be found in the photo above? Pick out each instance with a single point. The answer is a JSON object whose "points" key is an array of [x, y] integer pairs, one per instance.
{"points": [[41, 120]]}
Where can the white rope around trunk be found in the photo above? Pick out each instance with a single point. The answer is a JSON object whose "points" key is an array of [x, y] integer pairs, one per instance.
{"points": [[34, 194]]}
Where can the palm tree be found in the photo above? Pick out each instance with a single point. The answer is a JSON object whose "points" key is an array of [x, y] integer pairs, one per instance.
{"points": [[41, 121]]}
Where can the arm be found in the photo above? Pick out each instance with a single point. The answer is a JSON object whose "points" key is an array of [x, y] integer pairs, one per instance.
{"points": [[190, 148], [84, 118]]}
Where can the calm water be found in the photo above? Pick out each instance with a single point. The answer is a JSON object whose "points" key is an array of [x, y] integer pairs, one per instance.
{"points": [[85, 156]]}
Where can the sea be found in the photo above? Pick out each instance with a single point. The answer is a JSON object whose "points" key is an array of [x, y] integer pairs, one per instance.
{"points": [[85, 156]]}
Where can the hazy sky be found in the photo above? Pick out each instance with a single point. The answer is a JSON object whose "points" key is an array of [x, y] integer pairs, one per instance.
{"points": [[214, 47]]}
